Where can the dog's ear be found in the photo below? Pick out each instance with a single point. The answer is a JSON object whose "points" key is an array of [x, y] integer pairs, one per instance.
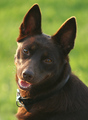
{"points": [[65, 36], [31, 24]]}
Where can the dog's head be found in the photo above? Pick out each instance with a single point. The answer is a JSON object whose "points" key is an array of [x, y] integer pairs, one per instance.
{"points": [[40, 58]]}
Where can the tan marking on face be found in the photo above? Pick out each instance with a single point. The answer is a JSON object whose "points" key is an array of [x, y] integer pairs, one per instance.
{"points": [[33, 47]]}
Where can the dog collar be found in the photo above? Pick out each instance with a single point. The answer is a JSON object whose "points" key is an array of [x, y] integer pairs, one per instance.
{"points": [[23, 101], [28, 102]]}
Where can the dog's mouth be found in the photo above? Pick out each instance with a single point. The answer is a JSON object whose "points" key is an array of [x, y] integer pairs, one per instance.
{"points": [[24, 84]]}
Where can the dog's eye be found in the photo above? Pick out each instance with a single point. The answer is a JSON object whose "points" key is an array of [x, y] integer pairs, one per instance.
{"points": [[48, 61], [25, 51]]}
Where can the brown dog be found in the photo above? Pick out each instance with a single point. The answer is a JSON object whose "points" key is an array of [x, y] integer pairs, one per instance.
{"points": [[48, 89]]}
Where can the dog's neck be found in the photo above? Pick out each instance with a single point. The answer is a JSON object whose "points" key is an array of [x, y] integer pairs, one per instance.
{"points": [[28, 102]]}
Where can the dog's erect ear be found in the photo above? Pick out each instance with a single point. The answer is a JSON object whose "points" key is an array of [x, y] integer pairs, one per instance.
{"points": [[31, 24], [65, 36]]}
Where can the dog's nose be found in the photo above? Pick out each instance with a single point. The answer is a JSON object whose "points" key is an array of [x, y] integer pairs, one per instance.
{"points": [[26, 74]]}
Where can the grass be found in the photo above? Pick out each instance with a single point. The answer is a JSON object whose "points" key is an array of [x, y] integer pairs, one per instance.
{"points": [[54, 13]]}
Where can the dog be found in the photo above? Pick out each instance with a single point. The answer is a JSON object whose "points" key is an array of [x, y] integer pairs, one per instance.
{"points": [[48, 90]]}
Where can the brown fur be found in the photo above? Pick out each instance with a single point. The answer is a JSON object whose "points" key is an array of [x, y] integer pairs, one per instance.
{"points": [[71, 102]]}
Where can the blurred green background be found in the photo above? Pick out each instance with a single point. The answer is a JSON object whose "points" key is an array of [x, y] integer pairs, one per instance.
{"points": [[54, 13]]}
